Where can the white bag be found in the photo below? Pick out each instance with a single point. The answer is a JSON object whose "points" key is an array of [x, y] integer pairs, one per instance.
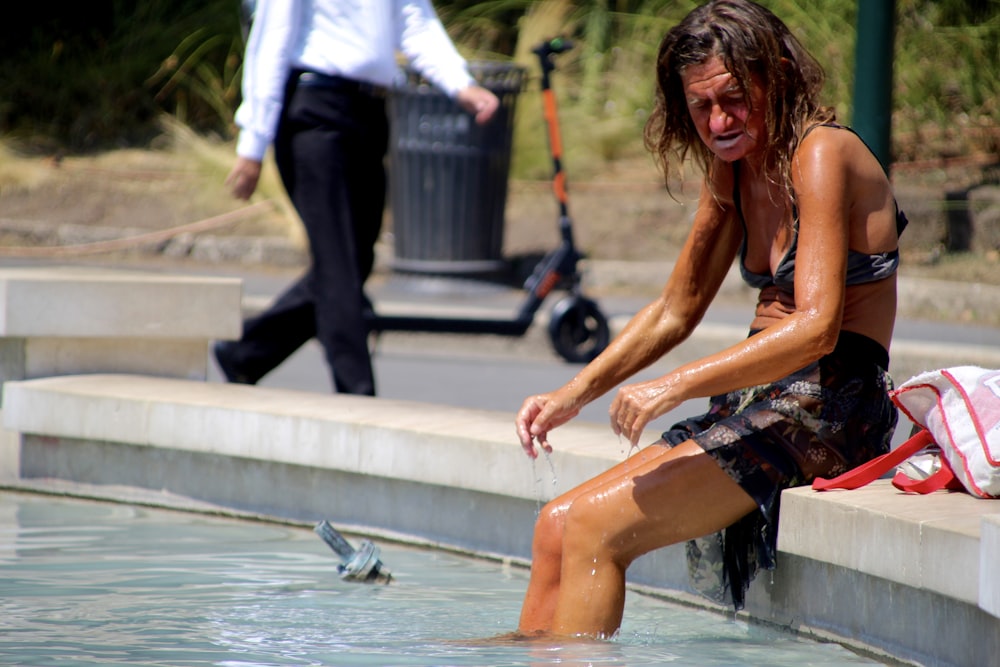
{"points": [[960, 407]]}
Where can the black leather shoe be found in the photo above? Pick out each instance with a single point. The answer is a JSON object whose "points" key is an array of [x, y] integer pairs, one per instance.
{"points": [[223, 351]]}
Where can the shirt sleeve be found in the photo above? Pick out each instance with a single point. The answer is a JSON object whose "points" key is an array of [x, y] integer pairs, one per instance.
{"points": [[424, 42], [266, 63]]}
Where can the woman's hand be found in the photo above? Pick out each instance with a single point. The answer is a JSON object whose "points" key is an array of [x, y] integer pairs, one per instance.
{"points": [[540, 414], [638, 404]]}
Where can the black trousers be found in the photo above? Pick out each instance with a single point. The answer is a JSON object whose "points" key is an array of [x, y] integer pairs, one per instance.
{"points": [[329, 149]]}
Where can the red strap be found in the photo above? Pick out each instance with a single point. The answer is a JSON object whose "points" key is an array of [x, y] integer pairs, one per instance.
{"points": [[868, 472], [944, 478]]}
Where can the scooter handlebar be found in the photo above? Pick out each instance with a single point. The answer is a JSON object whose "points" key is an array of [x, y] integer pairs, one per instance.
{"points": [[551, 47]]}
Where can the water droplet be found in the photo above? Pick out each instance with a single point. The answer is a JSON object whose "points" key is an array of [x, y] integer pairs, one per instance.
{"points": [[538, 488], [552, 469]]}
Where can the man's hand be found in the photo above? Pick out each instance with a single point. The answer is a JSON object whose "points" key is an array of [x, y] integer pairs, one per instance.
{"points": [[478, 101], [242, 180]]}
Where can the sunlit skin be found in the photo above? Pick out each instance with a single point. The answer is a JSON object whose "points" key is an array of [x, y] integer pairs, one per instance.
{"points": [[721, 112], [585, 539]]}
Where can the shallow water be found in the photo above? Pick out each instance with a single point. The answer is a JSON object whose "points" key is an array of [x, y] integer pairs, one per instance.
{"points": [[88, 583]]}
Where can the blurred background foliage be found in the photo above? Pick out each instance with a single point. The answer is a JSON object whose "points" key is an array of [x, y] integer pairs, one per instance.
{"points": [[81, 77], [94, 75]]}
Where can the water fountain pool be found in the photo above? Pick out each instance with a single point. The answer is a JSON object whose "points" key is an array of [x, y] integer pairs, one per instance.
{"points": [[93, 583]]}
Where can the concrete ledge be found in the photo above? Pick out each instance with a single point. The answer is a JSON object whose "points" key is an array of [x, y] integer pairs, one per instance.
{"points": [[927, 542], [913, 574], [22, 358], [454, 447], [70, 320], [989, 552], [873, 568], [80, 302]]}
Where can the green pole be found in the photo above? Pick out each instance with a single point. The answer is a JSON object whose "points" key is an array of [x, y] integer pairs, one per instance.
{"points": [[876, 28]]}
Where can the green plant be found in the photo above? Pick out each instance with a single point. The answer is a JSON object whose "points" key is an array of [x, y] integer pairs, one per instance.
{"points": [[74, 74], [191, 80], [85, 76], [947, 78]]}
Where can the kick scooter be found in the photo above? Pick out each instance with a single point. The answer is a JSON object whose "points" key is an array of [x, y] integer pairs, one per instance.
{"points": [[577, 327]]}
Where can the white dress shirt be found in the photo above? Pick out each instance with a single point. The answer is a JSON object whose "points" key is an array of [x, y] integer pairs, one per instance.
{"points": [[357, 39]]}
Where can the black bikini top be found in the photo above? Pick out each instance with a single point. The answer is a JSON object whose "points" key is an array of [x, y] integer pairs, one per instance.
{"points": [[861, 267]]}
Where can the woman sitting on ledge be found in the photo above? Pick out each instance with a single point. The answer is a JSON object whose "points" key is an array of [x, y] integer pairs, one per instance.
{"points": [[808, 211]]}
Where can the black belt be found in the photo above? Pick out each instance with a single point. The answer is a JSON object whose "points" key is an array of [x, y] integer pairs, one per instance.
{"points": [[308, 79]]}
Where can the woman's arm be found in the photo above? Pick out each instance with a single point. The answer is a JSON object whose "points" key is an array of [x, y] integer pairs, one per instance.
{"points": [[656, 329], [821, 178]]}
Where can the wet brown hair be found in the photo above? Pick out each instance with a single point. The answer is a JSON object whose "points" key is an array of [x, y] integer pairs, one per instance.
{"points": [[752, 42]]}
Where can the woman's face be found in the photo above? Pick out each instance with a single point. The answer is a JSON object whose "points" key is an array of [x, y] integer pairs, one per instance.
{"points": [[719, 111]]}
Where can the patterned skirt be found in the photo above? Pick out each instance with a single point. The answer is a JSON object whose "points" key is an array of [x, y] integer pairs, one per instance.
{"points": [[820, 421]]}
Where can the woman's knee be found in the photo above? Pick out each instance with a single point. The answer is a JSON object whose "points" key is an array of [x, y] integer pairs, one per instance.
{"points": [[549, 530], [584, 532]]}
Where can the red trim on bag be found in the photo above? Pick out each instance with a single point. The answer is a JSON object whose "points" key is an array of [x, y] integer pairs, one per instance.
{"points": [[974, 418], [902, 408], [973, 413]]}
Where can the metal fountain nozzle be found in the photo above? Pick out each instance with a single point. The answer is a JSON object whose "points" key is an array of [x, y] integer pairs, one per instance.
{"points": [[361, 564]]}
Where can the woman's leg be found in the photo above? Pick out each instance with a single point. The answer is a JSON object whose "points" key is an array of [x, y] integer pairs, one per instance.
{"points": [[540, 600], [586, 539]]}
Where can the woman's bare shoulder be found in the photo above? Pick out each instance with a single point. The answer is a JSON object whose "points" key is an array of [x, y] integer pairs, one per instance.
{"points": [[833, 145]]}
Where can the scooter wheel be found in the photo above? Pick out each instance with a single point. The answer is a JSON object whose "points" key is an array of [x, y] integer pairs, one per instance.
{"points": [[578, 329]]}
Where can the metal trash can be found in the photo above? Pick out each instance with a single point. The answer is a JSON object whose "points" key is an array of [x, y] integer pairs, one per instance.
{"points": [[448, 175]]}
